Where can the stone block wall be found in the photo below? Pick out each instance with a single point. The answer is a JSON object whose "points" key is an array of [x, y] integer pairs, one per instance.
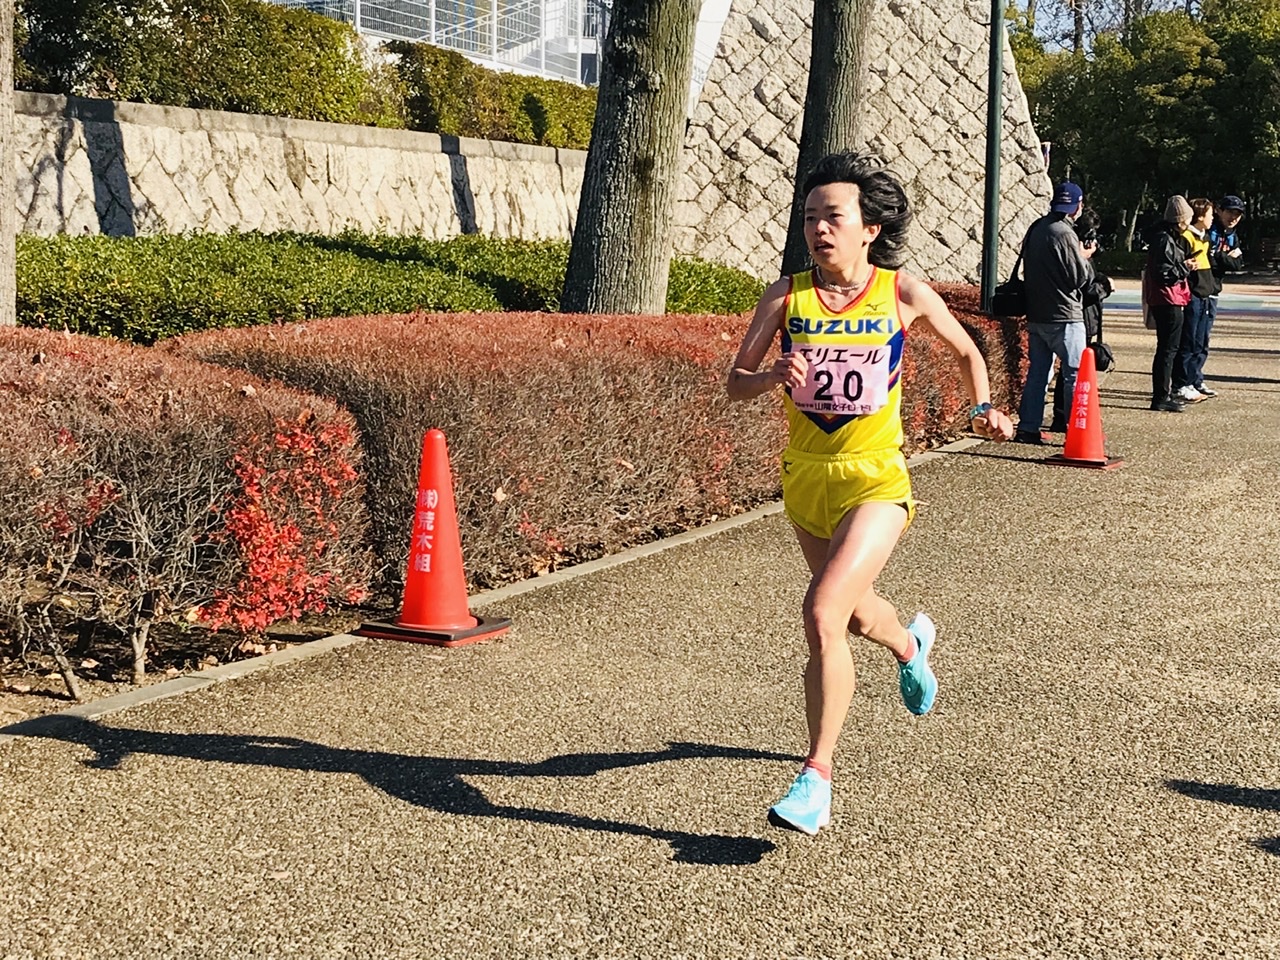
{"points": [[94, 166], [926, 118]]}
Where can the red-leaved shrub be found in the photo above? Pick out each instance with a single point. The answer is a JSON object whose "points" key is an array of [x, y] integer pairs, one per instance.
{"points": [[570, 436], [138, 487]]}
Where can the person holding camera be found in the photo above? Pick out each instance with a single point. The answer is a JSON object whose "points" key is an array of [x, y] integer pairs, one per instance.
{"points": [[1055, 268], [1097, 289]]}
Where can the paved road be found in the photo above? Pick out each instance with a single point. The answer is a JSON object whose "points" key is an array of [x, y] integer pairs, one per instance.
{"points": [[1100, 778]]}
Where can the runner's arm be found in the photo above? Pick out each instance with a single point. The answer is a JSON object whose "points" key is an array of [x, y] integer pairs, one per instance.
{"points": [[921, 303], [746, 381]]}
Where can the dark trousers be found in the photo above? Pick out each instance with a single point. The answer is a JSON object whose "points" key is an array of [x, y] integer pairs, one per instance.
{"points": [[1193, 345], [1168, 337]]}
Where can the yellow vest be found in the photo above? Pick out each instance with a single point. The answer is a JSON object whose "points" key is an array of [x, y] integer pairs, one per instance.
{"points": [[1199, 248], [855, 358]]}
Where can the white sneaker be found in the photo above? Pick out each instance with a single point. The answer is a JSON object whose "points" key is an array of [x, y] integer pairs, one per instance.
{"points": [[1206, 390], [1190, 394]]}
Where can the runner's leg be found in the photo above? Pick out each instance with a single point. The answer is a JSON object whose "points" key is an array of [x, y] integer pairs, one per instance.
{"points": [[844, 569]]}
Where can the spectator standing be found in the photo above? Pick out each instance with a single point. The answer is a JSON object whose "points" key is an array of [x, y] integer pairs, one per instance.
{"points": [[1097, 289], [1225, 256], [1055, 268], [1194, 341], [1166, 292]]}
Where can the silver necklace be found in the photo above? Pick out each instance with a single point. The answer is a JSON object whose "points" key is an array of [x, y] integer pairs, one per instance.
{"points": [[837, 288]]}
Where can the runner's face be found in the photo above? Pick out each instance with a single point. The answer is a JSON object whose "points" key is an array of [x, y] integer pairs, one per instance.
{"points": [[833, 227]]}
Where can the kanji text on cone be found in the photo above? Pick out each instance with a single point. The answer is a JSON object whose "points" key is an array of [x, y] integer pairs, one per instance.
{"points": [[434, 609], [1085, 446]]}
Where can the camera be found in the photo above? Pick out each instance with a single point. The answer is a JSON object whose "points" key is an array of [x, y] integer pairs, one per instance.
{"points": [[1089, 238]]}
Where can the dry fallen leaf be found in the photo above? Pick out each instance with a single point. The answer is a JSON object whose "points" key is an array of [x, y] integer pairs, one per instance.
{"points": [[278, 875], [88, 663], [499, 495], [172, 672], [249, 390], [20, 687], [725, 336]]}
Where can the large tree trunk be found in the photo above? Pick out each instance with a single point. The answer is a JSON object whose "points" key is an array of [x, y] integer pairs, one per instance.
{"points": [[833, 103], [1077, 25], [8, 216], [621, 251]]}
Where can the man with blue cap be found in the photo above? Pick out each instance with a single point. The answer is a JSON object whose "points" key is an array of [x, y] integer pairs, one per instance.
{"points": [[1056, 270], [1225, 256]]}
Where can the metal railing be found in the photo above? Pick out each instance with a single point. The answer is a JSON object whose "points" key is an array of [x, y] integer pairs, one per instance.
{"points": [[542, 37]]}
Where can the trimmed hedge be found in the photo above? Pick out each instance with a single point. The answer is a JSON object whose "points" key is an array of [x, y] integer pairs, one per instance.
{"points": [[144, 289], [246, 56], [572, 436], [140, 488], [447, 93], [251, 56], [529, 274]]}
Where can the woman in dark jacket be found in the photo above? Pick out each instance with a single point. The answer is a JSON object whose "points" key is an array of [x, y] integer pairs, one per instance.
{"points": [[1169, 263]]}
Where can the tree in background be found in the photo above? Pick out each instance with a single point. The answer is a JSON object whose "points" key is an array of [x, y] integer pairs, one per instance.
{"points": [[1174, 103], [833, 102], [621, 250]]}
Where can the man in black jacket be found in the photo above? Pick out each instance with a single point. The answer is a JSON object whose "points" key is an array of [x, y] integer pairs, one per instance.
{"points": [[1055, 268], [1225, 256], [1097, 289]]}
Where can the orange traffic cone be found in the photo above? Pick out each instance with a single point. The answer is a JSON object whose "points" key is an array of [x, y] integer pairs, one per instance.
{"points": [[434, 609], [1085, 442]]}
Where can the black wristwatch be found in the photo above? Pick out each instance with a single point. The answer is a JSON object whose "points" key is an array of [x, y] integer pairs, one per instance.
{"points": [[978, 410]]}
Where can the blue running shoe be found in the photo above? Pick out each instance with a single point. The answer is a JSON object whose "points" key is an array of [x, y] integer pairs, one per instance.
{"points": [[915, 679], [807, 805]]}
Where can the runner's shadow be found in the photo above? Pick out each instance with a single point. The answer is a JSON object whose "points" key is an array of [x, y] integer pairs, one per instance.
{"points": [[1252, 797], [436, 783]]}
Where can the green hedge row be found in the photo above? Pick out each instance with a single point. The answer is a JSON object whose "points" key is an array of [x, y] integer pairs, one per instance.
{"points": [[250, 56], [245, 56], [145, 289], [447, 93]]}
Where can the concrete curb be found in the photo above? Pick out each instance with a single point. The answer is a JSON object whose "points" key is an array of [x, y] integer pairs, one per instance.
{"points": [[315, 648]]}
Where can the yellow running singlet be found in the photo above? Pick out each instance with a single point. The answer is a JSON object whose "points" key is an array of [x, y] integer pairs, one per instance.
{"points": [[852, 401]]}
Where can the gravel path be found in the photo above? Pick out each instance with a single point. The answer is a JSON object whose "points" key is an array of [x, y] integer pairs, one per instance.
{"points": [[1100, 778]]}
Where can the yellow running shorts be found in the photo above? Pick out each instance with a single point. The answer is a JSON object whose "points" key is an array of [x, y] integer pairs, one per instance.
{"points": [[817, 491]]}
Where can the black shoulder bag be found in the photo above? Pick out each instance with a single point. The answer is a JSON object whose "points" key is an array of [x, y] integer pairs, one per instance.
{"points": [[1009, 299], [1102, 354]]}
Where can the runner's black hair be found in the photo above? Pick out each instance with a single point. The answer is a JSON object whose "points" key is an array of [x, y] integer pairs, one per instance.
{"points": [[880, 197]]}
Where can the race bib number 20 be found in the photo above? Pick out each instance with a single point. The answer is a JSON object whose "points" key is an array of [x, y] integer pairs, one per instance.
{"points": [[844, 381]]}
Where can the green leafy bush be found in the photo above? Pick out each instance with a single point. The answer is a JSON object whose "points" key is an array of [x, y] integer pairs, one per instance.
{"points": [[246, 56], [146, 288], [447, 93], [529, 274]]}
